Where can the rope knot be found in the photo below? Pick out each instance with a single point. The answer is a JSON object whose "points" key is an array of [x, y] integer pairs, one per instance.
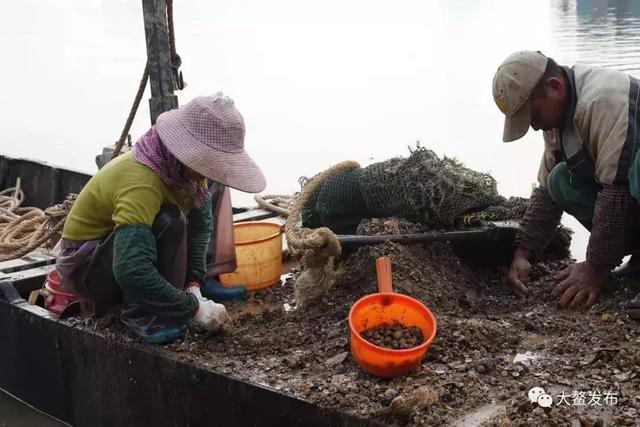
{"points": [[315, 248]]}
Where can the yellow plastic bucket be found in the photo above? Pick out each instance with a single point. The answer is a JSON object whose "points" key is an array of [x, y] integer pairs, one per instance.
{"points": [[258, 253]]}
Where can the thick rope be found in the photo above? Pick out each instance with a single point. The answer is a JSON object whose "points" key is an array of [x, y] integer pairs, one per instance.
{"points": [[13, 202], [24, 229], [316, 248], [172, 34], [514, 213], [176, 61], [132, 113], [277, 203]]}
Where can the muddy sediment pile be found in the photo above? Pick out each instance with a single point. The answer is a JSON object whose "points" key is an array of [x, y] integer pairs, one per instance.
{"points": [[490, 350]]}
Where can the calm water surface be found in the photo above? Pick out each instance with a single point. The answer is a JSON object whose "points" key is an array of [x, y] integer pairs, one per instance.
{"points": [[318, 83], [14, 413]]}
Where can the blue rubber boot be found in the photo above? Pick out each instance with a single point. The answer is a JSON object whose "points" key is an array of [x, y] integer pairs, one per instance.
{"points": [[147, 326], [160, 336], [213, 290], [165, 336]]}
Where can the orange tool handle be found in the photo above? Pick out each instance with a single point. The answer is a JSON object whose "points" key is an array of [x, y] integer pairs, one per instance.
{"points": [[383, 273]]}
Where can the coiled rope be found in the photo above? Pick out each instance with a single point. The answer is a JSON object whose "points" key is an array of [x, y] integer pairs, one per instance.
{"points": [[23, 229], [278, 203]]}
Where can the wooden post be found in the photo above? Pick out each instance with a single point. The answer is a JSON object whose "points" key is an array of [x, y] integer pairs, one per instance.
{"points": [[158, 57]]}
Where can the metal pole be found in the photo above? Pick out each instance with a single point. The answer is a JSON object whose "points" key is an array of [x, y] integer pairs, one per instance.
{"points": [[158, 58], [490, 230]]}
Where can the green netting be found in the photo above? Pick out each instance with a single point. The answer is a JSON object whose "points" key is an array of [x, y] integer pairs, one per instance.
{"points": [[338, 203], [424, 188], [421, 188]]}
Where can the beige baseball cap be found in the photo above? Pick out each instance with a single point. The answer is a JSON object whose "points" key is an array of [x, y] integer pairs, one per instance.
{"points": [[513, 83]]}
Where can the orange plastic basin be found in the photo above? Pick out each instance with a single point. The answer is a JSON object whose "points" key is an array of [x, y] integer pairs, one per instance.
{"points": [[388, 308], [258, 253], [376, 309]]}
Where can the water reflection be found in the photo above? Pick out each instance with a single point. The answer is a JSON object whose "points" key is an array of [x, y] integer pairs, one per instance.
{"points": [[14, 412], [598, 32], [600, 8]]}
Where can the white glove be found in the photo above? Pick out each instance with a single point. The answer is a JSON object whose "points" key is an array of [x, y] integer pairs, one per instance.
{"points": [[194, 288], [211, 316]]}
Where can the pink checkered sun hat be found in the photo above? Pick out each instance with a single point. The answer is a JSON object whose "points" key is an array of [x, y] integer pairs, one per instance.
{"points": [[207, 135]]}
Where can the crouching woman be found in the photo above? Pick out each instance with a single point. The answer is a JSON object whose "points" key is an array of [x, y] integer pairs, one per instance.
{"points": [[139, 230]]}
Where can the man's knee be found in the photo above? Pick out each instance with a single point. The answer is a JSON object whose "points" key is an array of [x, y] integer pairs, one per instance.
{"points": [[558, 179], [575, 198]]}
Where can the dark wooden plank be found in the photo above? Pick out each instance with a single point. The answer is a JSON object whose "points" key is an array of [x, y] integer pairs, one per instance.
{"points": [[37, 258], [54, 188], [4, 167], [36, 181], [87, 379], [26, 281]]}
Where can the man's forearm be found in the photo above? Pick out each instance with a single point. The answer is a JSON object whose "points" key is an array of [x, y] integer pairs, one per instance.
{"points": [[539, 223], [611, 233]]}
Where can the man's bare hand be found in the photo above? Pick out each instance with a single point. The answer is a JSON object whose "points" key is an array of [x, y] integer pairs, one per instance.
{"points": [[518, 275], [577, 284]]}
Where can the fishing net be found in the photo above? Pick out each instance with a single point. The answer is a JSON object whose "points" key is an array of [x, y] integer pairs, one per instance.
{"points": [[436, 193], [426, 189], [422, 188], [338, 203]]}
